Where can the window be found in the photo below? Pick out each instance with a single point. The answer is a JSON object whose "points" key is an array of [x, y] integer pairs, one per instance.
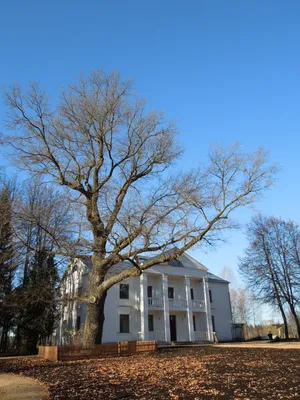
{"points": [[170, 292], [149, 291], [150, 323], [176, 263], [213, 323], [210, 296], [192, 293], [124, 323], [78, 323], [124, 291], [194, 322]]}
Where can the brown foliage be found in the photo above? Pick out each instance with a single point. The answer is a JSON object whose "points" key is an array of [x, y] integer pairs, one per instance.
{"points": [[199, 373]]}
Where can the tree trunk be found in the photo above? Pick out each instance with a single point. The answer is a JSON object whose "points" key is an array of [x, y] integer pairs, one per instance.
{"points": [[293, 311], [4, 337], [286, 328], [94, 322]]}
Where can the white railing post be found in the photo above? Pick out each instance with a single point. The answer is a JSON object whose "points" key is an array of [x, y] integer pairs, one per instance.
{"points": [[166, 308], [208, 311], [144, 306], [189, 309]]}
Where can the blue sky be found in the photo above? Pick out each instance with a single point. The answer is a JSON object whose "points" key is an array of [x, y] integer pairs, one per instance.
{"points": [[224, 70]]}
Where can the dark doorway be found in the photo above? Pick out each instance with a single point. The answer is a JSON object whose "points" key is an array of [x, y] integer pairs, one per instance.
{"points": [[173, 328]]}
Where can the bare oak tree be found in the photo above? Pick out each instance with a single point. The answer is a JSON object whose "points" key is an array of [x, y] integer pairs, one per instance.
{"points": [[113, 158]]}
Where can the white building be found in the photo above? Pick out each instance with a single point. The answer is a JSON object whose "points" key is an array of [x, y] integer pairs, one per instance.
{"points": [[177, 301]]}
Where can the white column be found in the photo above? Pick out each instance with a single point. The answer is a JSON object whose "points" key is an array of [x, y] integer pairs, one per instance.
{"points": [[144, 306], [166, 308], [74, 316], [189, 309], [208, 310]]}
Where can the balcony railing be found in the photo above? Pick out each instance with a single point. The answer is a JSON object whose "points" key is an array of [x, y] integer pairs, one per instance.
{"points": [[198, 304], [158, 302], [177, 303], [155, 302], [159, 336], [201, 336]]}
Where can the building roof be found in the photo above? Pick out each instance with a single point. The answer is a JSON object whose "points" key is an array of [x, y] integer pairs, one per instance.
{"points": [[183, 261], [215, 278]]}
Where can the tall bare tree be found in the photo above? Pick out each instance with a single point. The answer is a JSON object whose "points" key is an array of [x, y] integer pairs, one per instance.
{"points": [[42, 221], [113, 158], [271, 264]]}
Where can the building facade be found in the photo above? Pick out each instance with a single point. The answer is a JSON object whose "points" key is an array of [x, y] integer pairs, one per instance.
{"points": [[178, 301]]}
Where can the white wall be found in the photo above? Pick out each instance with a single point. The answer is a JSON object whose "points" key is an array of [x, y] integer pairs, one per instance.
{"points": [[200, 318], [156, 282], [220, 309], [114, 306], [197, 285]]}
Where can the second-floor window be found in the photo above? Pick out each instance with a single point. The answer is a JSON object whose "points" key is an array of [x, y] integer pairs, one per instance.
{"points": [[210, 296], [149, 291], [124, 291], [150, 323], [192, 293], [170, 292]]}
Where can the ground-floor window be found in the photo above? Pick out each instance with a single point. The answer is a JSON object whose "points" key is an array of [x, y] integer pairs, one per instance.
{"points": [[150, 323], [213, 323], [194, 322], [124, 323], [78, 323]]}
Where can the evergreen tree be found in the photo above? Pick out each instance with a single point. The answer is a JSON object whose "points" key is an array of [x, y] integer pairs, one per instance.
{"points": [[38, 311], [7, 265]]}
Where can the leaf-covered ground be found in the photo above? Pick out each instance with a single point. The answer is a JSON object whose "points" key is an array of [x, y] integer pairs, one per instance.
{"points": [[194, 373]]}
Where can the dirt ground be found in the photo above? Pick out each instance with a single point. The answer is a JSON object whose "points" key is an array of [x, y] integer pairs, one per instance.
{"points": [[13, 387], [192, 373], [263, 344]]}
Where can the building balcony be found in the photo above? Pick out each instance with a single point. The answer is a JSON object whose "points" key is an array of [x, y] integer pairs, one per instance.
{"points": [[198, 304], [177, 303], [155, 302], [201, 336]]}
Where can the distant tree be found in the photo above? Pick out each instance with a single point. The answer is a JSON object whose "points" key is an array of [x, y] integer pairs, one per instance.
{"points": [[228, 274], [271, 265], [239, 297], [43, 222], [41, 219], [112, 157], [38, 309], [240, 306], [7, 262]]}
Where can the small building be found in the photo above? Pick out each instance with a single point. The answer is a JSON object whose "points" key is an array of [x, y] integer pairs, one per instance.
{"points": [[179, 301], [238, 333]]}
